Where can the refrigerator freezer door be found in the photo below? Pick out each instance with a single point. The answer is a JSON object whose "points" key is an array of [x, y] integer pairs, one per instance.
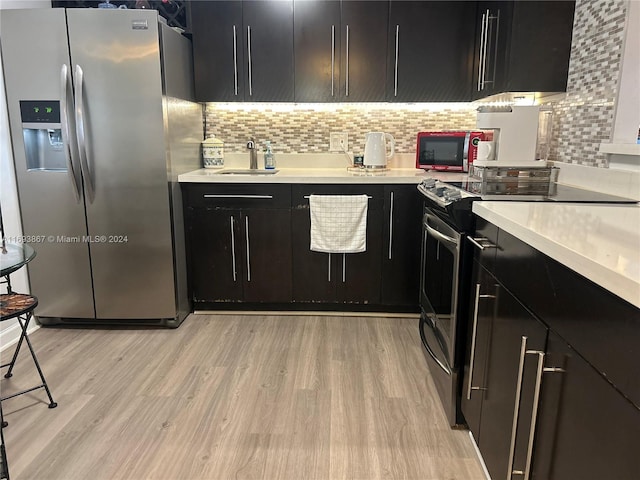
{"points": [[34, 49], [128, 213]]}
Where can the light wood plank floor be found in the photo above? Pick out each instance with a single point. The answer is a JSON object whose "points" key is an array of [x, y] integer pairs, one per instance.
{"points": [[234, 397]]}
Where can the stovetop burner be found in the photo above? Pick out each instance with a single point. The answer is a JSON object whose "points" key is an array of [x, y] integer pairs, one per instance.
{"points": [[445, 193], [452, 201]]}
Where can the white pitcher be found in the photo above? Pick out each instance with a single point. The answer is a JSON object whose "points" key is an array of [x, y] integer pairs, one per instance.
{"points": [[375, 149]]}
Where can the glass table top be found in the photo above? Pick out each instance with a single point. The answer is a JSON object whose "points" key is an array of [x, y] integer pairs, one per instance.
{"points": [[13, 256]]}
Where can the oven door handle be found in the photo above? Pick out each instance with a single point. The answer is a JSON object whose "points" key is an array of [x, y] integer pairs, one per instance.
{"points": [[440, 363], [440, 236]]}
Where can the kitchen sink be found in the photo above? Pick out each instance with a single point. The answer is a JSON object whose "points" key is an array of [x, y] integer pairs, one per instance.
{"points": [[247, 171]]}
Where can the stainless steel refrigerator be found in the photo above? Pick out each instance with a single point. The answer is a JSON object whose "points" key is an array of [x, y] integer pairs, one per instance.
{"points": [[101, 125]]}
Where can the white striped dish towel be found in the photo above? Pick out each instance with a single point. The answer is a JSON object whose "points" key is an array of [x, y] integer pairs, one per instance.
{"points": [[338, 223]]}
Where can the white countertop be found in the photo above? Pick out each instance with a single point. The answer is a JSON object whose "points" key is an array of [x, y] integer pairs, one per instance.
{"points": [[319, 175], [600, 242]]}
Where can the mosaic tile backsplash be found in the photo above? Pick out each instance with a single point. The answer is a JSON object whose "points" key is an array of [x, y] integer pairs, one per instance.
{"points": [[300, 128], [584, 118]]}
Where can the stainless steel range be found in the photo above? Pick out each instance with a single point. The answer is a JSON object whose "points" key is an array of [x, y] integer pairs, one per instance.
{"points": [[446, 261]]}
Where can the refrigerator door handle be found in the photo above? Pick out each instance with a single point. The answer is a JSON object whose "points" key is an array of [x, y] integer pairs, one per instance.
{"points": [[81, 133], [69, 147]]}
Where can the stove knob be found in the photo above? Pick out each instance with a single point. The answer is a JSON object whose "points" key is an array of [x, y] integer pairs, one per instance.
{"points": [[452, 194], [429, 183]]}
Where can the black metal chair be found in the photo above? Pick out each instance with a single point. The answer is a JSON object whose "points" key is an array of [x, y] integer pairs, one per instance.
{"points": [[4, 466], [21, 306]]}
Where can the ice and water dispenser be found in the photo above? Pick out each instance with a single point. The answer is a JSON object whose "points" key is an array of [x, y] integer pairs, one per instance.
{"points": [[42, 133]]}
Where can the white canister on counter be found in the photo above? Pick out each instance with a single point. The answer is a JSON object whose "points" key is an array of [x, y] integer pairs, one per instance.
{"points": [[213, 153]]}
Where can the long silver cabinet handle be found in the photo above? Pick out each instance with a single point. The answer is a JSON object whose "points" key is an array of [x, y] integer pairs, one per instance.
{"points": [[516, 408], [395, 72], [249, 59], [235, 61], [333, 57], [81, 133], [474, 334], [347, 64], [476, 242], [534, 414], [495, 48], [69, 147], [391, 225], [329, 269], [246, 233], [344, 267], [484, 51], [474, 331], [233, 250], [215, 195], [307, 196], [479, 87]]}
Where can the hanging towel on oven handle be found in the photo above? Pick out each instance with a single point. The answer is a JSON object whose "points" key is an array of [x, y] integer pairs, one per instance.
{"points": [[338, 223]]}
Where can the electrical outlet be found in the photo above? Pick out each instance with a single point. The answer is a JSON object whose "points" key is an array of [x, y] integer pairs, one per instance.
{"points": [[338, 141]]}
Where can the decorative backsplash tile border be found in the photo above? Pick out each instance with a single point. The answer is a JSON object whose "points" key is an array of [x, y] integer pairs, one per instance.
{"points": [[584, 118], [305, 128]]}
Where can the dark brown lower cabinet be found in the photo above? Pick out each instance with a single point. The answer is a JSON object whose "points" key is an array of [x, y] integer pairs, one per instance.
{"points": [[248, 246], [401, 236], [243, 255], [587, 430], [508, 343], [538, 406], [352, 278]]}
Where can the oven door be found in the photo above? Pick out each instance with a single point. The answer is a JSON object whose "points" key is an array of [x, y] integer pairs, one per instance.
{"points": [[439, 282], [439, 278]]}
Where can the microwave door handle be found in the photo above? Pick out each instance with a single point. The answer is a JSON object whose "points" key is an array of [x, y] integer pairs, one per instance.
{"points": [[69, 146]]}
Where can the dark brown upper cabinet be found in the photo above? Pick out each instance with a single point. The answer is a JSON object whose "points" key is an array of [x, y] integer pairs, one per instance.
{"points": [[243, 51], [522, 46], [316, 30], [340, 51], [430, 51]]}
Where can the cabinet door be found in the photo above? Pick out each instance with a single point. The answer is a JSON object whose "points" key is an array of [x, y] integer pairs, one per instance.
{"points": [[483, 289], [586, 429], [266, 255], [317, 50], [268, 51], [363, 62], [510, 370], [429, 51], [402, 229], [489, 67], [218, 56], [539, 46], [214, 254], [314, 278], [330, 278], [359, 274]]}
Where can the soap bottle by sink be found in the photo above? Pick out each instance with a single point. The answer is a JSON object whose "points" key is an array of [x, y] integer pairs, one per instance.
{"points": [[269, 157]]}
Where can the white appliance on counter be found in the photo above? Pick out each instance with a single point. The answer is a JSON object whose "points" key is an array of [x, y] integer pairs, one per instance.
{"points": [[375, 149], [101, 127], [512, 136]]}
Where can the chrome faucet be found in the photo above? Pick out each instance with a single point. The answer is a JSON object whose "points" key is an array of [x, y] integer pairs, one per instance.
{"points": [[253, 154]]}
